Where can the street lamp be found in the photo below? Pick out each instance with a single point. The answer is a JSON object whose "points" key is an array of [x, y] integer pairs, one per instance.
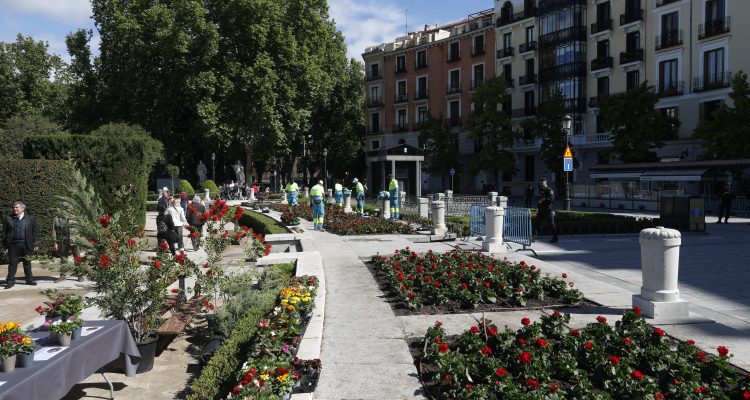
{"points": [[325, 165], [213, 166], [568, 127]]}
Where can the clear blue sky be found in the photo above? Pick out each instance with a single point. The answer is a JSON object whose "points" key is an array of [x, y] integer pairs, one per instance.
{"points": [[363, 22]]}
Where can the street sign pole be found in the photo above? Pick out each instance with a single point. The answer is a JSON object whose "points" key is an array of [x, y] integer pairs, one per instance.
{"points": [[567, 167], [452, 172]]}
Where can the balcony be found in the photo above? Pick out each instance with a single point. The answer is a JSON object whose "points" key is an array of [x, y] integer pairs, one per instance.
{"points": [[401, 98], [627, 57], [563, 35], [526, 47], [668, 89], [713, 28], [660, 3], [478, 50], [532, 144], [422, 95], [630, 17], [562, 71], [519, 16], [453, 88], [476, 84], [374, 102], [505, 52], [593, 139], [373, 76], [547, 6], [601, 63], [529, 111], [601, 26], [575, 105], [712, 81], [454, 57], [527, 79], [669, 39], [403, 127], [400, 69]]}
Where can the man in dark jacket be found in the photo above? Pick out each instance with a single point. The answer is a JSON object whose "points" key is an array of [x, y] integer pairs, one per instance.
{"points": [[195, 210], [20, 240], [725, 205], [546, 209]]}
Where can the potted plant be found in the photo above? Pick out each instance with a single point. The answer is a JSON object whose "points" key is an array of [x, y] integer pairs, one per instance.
{"points": [[61, 332], [25, 348], [61, 306], [9, 342]]}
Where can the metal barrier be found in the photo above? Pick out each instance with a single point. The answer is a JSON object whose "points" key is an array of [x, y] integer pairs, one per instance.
{"points": [[517, 227], [476, 220]]}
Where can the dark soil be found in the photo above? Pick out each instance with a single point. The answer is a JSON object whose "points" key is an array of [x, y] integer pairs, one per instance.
{"points": [[455, 307]]}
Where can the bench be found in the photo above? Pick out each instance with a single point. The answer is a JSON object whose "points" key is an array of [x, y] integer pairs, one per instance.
{"points": [[180, 319]]}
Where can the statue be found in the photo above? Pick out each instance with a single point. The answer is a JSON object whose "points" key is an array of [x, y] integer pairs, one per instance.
{"points": [[239, 172], [201, 170]]}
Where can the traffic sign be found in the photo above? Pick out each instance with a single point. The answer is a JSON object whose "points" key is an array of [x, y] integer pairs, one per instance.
{"points": [[452, 171], [568, 153], [567, 164]]}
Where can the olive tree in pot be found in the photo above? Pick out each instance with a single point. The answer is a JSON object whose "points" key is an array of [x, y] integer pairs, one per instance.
{"points": [[127, 289]]}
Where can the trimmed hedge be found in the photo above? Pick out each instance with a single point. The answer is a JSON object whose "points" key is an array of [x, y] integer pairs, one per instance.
{"points": [[186, 187], [211, 186], [109, 163], [225, 363], [36, 183], [261, 223]]}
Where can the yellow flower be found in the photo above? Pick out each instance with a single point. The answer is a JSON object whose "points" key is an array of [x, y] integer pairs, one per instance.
{"points": [[264, 377], [26, 340], [282, 378], [290, 308]]}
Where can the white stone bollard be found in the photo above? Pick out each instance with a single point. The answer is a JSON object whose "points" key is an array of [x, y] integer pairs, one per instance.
{"points": [[386, 209], [207, 197], [493, 220], [306, 191], [424, 212], [348, 203], [448, 194], [438, 218], [493, 197], [660, 263], [502, 201], [251, 192], [438, 197], [329, 195]]}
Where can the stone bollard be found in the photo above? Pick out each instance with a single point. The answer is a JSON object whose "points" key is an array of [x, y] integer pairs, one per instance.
{"points": [[448, 194], [329, 195], [502, 201], [493, 197], [660, 263], [251, 192], [438, 197], [386, 208], [493, 220], [438, 218], [348, 202], [306, 191], [424, 212], [207, 197]]}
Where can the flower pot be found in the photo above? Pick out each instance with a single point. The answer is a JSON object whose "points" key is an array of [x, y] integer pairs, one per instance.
{"points": [[25, 360], [147, 350], [8, 364], [61, 339], [77, 333]]}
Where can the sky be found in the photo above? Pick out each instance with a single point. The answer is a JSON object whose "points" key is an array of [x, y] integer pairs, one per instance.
{"points": [[363, 22]]}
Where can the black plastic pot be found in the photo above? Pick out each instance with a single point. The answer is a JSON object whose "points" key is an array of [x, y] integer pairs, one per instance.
{"points": [[148, 351]]}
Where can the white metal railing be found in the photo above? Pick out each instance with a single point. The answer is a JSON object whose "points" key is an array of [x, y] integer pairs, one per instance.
{"points": [[596, 138]]}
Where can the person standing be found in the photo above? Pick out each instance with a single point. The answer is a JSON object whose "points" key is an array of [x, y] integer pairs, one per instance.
{"points": [[317, 195], [195, 210], [546, 210], [528, 195], [359, 190], [164, 199], [725, 204], [338, 191], [21, 240], [165, 228], [292, 192], [184, 201], [64, 235], [394, 193], [179, 220]]}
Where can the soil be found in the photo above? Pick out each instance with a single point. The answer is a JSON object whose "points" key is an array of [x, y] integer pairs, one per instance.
{"points": [[455, 307]]}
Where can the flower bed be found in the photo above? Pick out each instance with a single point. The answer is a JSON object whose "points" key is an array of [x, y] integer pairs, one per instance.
{"points": [[341, 223], [468, 279], [630, 360]]}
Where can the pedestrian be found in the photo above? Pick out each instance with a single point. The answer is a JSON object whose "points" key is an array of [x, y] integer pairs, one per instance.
{"points": [[338, 191], [725, 204], [528, 195], [65, 236], [195, 210], [165, 228], [359, 190], [179, 220], [164, 200], [184, 201], [317, 196], [546, 210], [394, 193], [292, 192], [21, 240]]}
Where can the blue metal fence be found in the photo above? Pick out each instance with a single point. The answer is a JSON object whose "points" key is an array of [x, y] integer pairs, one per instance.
{"points": [[476, 220], [517, 227]]}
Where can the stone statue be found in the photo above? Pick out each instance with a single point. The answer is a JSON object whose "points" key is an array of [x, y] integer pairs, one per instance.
{"points": [[201, 170], [239, 172]]}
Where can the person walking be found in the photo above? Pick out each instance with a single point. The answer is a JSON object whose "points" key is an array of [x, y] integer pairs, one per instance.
{"points": [[725, 204], [317, 195], [546, 210], [179, 220], [165, 228], [394, 193], [338, 192], [195, 210], [64, 235], [184, 201], [20, 239], [359, 190], [292, 192]]}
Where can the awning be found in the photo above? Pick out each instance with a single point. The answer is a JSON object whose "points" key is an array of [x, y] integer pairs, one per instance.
{"points": [[684, 175], [616, 175]]}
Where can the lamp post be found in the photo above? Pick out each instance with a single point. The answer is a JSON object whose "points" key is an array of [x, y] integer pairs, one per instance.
{"points": [[325, 165], [213, 166], [568, 127]]}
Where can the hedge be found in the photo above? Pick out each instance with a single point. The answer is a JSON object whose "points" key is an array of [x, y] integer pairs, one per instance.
{"points": [[221, 369], [109, 163], [185, 187], [36, 183], [261, 223], [212, 188]]}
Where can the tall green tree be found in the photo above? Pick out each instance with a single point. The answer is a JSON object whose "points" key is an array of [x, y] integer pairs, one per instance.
{"points": [[86, 113], [548, 126], [726, 135], [636, 125], [492, 125], [18, 127], [440, 147]]}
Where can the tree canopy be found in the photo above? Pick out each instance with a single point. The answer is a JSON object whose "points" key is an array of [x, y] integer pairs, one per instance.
{"points": [[726, 133]]}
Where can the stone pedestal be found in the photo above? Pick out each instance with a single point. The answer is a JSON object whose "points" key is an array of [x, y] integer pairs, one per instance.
{"points": [[438, 218], [251, 192], [493, 219], [385, 208], [448, 194], [424, 212], [347, 202], [329, 197], [306, 191], [207, 197], [502, 201], [660, 262], [438, 197], [493, 197]]}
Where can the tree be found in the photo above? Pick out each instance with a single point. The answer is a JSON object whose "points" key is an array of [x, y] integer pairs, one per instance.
{"points": [[492, 126], [636, 125], [440, 147], [19, 127], [85, 112], [726, 134], [548, 126]]}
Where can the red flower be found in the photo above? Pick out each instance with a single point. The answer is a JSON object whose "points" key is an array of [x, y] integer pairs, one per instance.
{"points": [[541, 342], [556, 314], [659, 332], [723, 351], [614, 360], [486, 350], [443, 348], [400, 277], [746, 395], [601, 319], [39, 309], [522, 341], [464, 286], [553, 387], [575, 332], [501, 372], [447, 378], [104, 261], [525, 357], [532, 383], [588, 345], [175, 290], [658, 396], [438, 340], [438, 323], [701, 390], [164, 245], [474, 330], [157, 264], [637, 375], [132, 242], [525, 321], [637, 311], [410, 295], [627, 341], [701, 356], [492, 331], [564, 275], [180, 258], [78, 260], [691, 342], [486, 284], [104, 220]]}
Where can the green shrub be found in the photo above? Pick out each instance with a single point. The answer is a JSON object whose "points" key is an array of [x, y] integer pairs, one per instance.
{"points": [[261, 223], [108, 162], [211, 186], [232, 353], [19, 127], [185, 187], [36, 183], [276, 196]]}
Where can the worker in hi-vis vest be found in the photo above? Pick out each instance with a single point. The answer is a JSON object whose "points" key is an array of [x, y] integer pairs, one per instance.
{"points": [[317, 197], [292, 192], [360, 191], [338, 193], [394, 192]]}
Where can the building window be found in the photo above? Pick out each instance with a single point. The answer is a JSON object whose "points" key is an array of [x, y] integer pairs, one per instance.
{"points": [[374, 95], [374, 71], [671, 112], [529, 34], [421, 58], [478, 72], [603, 18], [529, 102], [478, 47], [421, 88], [602, 86], [401, 119], [375, 144], [602, 49], [670, 31], [400, 64], [507, 41], [401, 91], [454, 112], [375, 123], [713, 66], [714, 11], [454, 51], [454, 81], [633, 79], [667, 76], [508, 74], [529, 173], [599, 128], [633, 42], [422, 114]]}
